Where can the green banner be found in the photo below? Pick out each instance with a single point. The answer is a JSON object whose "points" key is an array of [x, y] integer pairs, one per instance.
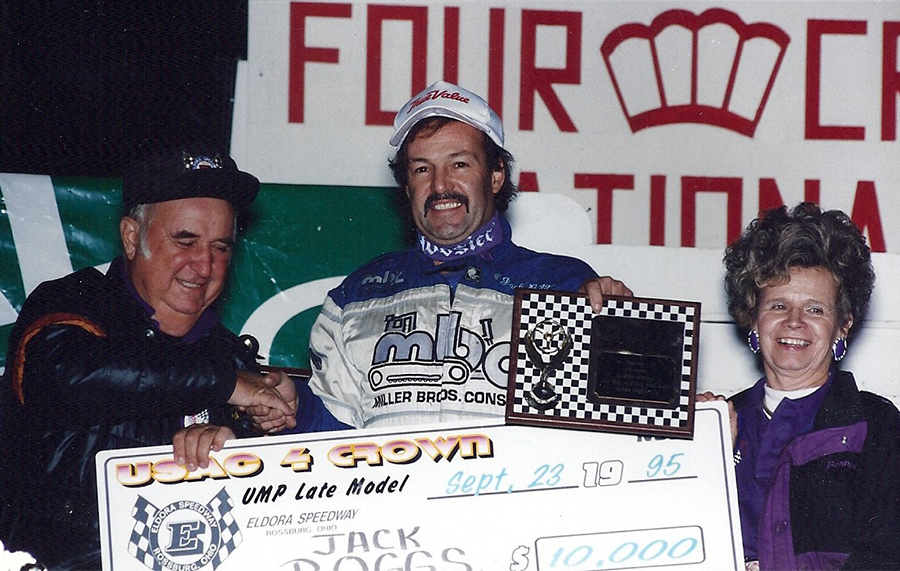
{"points": [[293, 235]]}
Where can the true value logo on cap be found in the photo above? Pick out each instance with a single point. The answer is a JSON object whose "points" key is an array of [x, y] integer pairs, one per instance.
{"points": [[437, 94], [193, 163], [444, 99]]}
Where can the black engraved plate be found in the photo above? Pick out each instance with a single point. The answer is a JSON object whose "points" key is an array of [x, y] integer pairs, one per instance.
{"points": [[636, 360]]}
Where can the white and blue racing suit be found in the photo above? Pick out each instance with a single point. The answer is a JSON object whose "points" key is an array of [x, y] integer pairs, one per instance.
{"points": [[402, 341]]}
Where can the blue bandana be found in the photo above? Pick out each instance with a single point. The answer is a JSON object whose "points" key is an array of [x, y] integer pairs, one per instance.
{"points": [[479, 242]]}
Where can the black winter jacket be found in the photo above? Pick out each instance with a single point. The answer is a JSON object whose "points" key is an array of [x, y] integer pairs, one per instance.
{"points": [[89, 370]]}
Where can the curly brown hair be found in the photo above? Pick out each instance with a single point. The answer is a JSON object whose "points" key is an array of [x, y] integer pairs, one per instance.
{"points": [[496, 156], [803, 237]]}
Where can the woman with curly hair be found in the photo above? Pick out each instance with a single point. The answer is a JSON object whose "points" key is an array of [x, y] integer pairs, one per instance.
{"points": [[815, 458]]}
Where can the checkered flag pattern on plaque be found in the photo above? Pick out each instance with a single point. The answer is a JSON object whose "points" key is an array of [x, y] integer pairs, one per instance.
{"points": [[143, 513], [229, 532], [571, 381]]}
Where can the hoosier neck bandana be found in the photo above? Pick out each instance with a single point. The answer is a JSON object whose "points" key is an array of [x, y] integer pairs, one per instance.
{"points": [[477, 243]]}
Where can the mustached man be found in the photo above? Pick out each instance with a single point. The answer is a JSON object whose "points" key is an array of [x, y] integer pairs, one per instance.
{"points": [[422, 336]]}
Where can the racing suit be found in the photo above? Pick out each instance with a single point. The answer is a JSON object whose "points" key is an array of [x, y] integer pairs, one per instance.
{"points": [[816, 481], [402, 341], [88, 370]]}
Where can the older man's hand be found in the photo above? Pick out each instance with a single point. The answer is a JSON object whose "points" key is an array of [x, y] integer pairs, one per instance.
{"points": [[192, 445], [271, 420], [268, 414], [596, 288]]}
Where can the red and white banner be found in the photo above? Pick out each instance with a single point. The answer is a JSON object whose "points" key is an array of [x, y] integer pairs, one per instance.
{"points": [[670, 123]]}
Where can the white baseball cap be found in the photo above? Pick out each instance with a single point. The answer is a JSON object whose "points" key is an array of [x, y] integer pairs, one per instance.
{"points": [[444, 99]]}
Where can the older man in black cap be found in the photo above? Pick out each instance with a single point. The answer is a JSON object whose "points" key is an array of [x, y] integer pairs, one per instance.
{"points": [[131, 358]]}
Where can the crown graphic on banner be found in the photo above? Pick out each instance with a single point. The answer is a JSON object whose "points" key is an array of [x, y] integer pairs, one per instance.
{"points": [[710, 68]]}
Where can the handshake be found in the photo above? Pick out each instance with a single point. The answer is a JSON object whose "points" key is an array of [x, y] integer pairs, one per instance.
{"points": [[269, 399]]}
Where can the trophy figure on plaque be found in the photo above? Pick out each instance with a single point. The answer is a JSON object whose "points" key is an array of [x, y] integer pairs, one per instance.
{"points": [[547, 345]]}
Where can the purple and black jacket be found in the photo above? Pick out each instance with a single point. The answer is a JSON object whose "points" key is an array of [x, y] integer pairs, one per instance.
{"points": [[817, 483]]}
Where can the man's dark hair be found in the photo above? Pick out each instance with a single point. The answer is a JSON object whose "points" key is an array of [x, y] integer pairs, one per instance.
{"points": [[497, 158]]}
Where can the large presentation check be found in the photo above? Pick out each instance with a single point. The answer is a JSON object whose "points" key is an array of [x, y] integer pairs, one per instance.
{"points": [[452, 498]]}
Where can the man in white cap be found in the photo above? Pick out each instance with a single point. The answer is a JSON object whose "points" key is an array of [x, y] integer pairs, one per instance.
{"points": [[423, 335]]}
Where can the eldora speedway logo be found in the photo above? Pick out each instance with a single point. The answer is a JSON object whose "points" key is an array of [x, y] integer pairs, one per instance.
{"points": [[184, 535]]}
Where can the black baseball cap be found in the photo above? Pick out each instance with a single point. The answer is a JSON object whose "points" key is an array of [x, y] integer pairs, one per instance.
{"points": [[187, 174]]}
